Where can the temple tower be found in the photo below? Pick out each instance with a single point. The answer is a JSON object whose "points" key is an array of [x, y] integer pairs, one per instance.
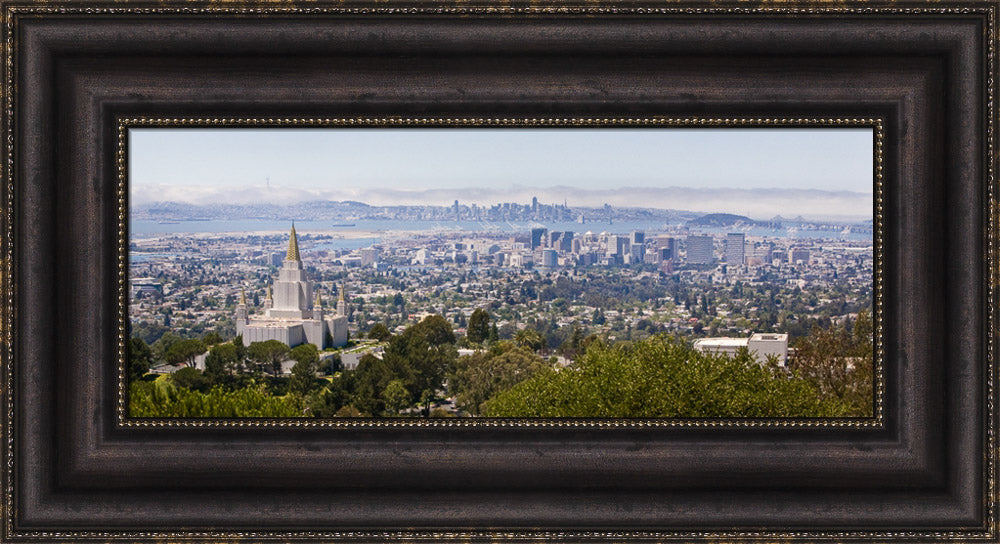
{"points": [[341, 301], [241, 309], [292, 291]]}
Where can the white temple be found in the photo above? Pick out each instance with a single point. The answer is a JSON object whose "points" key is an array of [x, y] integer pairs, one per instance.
{"points": [[293, 316]]}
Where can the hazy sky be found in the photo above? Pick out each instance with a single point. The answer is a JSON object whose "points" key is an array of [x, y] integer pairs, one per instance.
{"points": [[198, 165]]}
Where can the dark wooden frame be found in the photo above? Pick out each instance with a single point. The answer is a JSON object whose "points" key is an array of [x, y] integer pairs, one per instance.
{"points": [[72, 472]]}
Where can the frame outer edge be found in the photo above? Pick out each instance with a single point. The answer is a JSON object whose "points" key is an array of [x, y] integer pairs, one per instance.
{"points": [[7, 323]]}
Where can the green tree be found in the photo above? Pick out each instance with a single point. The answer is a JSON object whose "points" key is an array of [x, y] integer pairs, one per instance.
{"points": [[379, 332], [423, 354], [598, 317], [306, 358], [140, 358], [303, 378], [372, 377], [571, 346], [348, 411], [163, 398], [211, 338], [479, 326], [529, 338], [839, 361], [479, 376], [435, 329], [222, 361], [335, 363], [269, 353], [419, 358], [395, 396], [663, 377], [305, 353], [241, 351], [325, 402], [163, 344], [185, 351], [426, 396], [190, 378]]}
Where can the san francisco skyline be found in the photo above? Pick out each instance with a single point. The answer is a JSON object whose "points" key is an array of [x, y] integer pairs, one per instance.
{"points": [[756, 172]]}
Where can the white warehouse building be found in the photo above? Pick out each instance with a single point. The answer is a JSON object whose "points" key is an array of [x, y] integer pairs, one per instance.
{"points": [[760, 345]]}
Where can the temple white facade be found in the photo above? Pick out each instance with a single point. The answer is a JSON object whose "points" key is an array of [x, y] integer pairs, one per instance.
{"points": [[293, 315]]}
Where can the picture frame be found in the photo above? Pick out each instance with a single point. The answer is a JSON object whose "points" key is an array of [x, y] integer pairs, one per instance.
{"points": [[76, 469]]}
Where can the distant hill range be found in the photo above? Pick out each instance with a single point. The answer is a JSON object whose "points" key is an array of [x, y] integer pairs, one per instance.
{"points": [[341, 201], [727, 220], [353, 210], [183, 211]]}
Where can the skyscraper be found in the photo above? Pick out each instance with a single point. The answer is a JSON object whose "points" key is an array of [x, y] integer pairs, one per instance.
{"points": [[667, 247], [538, 237], [736, 244], [368, 256], [636, 253], [566, 241], [550, 258], [621, 246], [699, 249], [554, 239]]}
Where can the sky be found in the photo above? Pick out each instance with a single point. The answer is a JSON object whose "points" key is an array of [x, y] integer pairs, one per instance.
{"points": [[434, 166]]}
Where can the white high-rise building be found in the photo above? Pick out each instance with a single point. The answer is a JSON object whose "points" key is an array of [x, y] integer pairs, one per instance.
{"points": [[797, 255], [736, 245], [368, 256], [700, 249]]}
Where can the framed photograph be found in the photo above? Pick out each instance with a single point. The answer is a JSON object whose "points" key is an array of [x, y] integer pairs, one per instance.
{"points": [[468, 301], [454, 272]]}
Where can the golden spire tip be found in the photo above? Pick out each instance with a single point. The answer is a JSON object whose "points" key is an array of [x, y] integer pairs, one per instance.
{"points": [[293, 246]]}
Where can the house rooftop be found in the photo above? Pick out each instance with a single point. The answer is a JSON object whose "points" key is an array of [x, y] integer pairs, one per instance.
{"points": [[721, 342]]}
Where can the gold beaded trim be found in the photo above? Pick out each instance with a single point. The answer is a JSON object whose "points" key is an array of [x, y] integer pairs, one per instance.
{"points": [[579, 423], [440, 8]]}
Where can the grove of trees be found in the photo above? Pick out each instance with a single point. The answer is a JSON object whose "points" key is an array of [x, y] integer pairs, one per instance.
{"points": [[662, 377], [652, 377], [411, 372]]}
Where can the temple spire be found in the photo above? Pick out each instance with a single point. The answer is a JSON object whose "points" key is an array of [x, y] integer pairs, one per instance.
{"points": [[341, 302], [293, 246], [243, 297], [268, 301], [319, 302]]}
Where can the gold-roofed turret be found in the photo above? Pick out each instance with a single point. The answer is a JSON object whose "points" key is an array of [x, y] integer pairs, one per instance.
{"points": [[340, 294], [293, 246]]}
